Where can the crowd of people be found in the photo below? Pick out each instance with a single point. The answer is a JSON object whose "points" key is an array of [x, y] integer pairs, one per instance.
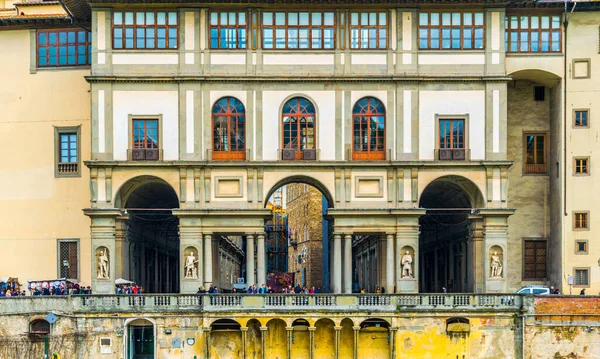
{"points": [[129, 289], [263, 289], [62, 289]]}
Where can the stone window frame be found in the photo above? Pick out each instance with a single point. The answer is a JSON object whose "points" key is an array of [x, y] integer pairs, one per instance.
{"points": [[587, 247], [589, 279], [587, 227], [589, 68], [587, 166], [58, 262], [467, 127], [357, 180], [575, 110], [546, 152], [131, 118], [57, 132], [218, 179], [537, 239]]}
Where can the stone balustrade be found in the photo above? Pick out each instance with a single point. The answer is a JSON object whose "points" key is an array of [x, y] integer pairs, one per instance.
{"points": [[258, 302]]}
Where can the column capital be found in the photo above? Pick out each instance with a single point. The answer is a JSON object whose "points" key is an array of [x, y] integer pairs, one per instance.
{"points": [[102, 212], [244, 329], [206, 329], [264, 329], [312, 329], [289, 329], [356, 328], [337, 328]]}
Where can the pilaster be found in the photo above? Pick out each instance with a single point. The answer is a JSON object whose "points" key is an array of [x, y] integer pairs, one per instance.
{"points": [[495, 224], [407, 244], [103, 234]]}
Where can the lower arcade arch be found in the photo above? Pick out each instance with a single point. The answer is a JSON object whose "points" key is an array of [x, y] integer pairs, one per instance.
{"points": [[140, 338], [226, 339], [374, 339]]}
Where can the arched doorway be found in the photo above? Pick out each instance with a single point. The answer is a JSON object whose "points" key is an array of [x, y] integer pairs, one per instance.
{"points": [[298, 233], [226, 339], [443, 241], [140, 339], [149, 250], [276, 342], [374, 339]]}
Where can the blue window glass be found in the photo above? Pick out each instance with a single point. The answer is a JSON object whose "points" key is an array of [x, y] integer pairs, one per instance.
{"points": [[145, 30]]}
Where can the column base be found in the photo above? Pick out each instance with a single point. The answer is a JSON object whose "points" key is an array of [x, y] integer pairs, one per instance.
{"points": [[408, 285]]}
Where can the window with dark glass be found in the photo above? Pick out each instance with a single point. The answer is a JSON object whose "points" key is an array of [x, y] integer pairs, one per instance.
{"points": [[57, 48], [581, 165], [145, 30], [534, 259], [451, 30], [368, 30], [298, 30], [229, 130], [580, 220], [581, 118], [535, 153], [532, 33], [298, 117], [145, 133], [369, 129], [228, 30], [451, 139]]}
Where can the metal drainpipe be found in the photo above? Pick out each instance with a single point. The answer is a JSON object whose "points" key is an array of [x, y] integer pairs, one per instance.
{"points": [[566, 25]]}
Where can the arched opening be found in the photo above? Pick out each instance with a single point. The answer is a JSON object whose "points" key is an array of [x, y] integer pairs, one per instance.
{"points": [[300, 339], [229, 129], [374, 339], [299, 129], [226, 339], [149, 252], [368, 135], [325, 339], [347, 338], [443, 241], [298, 246], [140, 339], [276, 343], [253, 340]]}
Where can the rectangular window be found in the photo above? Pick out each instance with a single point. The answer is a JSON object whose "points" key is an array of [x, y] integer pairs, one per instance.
{"points": [[581, 247], [582, 276], [298, 30], [60, 48], [145, 133], [451, 31], [534, 33], [145, 30], [539, 93], [580, 118], [535, 153], [368, 30], [68, 261], [580, 220], [581, 165], [228, 30], [534, 259], [452, 134], [67, 152]]}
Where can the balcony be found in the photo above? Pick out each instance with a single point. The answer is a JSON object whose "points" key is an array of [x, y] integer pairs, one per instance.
{"points": [[298, 155], [228, 155], [68, 169], [385, 155], [176, 303], [145, 154], [452, 154], [535, 168]]}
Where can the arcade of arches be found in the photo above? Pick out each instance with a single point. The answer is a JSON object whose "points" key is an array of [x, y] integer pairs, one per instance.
{"points": [[440, 245]]}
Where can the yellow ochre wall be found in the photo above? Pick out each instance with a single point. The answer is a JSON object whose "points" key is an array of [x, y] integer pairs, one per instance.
{"points": [[39, 207]]}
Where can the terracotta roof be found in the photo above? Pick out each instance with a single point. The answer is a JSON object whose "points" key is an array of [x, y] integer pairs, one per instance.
{"points": [[37, 2], [35, 16]]}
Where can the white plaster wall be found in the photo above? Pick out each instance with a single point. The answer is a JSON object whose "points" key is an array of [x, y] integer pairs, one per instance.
{"points": [[228, 59], [145, 59], [368, 59], [452, 59], [324, 102], [298, 59], [146, 103], [459, 103]]}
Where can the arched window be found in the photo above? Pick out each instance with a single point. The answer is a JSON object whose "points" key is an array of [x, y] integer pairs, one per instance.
{"points": [[229, 130], [299, 129], [369, 130]]}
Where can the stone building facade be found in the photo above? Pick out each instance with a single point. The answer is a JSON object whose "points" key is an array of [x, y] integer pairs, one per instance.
{"points": [[305, 220], [455, 148]]}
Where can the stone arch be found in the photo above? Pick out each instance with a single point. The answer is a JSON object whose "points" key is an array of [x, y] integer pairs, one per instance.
{"points": [[472, 194], [134, 324], [374, 338], [302, 179], [347, 338], [276, 339], [131, 186], [225, 339], [253, 340], [325, 338], [300, 338], [548, 77]]}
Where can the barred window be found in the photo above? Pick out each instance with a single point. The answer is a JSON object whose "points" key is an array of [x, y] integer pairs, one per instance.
{"points": [[534, 259], [298, 30], [69, 259], [145, 30], [368, 30], [580, 220], [532, 34], [228, 30], [58, 48], [582, 277], [581, 165], [451, 30]]}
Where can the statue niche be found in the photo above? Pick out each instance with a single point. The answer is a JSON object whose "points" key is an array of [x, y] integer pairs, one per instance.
{"points": [[190, 263], [102, 263], [407, 262], [495, 256]]}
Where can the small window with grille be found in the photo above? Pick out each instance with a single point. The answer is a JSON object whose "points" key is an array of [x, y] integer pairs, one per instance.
{"points": [[68, 261], [582, 277], [534, 259]]}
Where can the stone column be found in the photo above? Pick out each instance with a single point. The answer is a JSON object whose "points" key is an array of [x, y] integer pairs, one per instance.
{"points": [[121, 260], [103, 233], [261, 261], [289, 331], [389, 268], [476, 278], [208, 279], [355, 351], [250, 261], [337, 263], [496, 243], [311, 335], [407, 238], [263, 334], [244, 342], [348, 263], [206, 331], [393, 332], [336, 348]]}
